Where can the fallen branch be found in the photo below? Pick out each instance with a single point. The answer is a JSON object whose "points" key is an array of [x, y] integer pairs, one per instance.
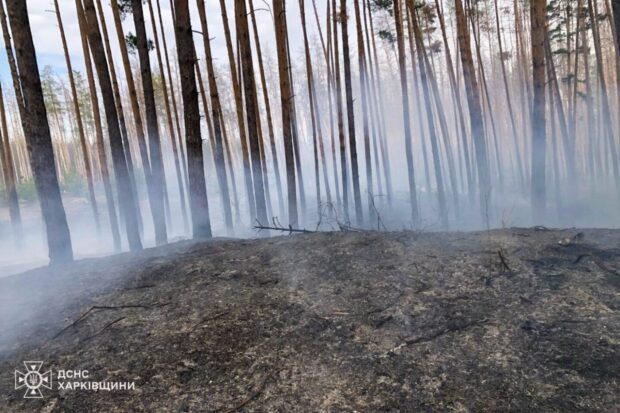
{"points": [[438, 333], [105, 307], [289, 229], [104, 328], [349, 228], [277, 227]]}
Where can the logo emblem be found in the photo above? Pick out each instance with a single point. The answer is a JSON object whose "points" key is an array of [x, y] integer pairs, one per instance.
{"points": [[33, 380]]}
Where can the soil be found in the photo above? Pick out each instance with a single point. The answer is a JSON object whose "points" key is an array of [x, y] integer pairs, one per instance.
{"points": [[513, 320]]}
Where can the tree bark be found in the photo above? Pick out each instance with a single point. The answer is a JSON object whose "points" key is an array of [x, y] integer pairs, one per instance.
{"points": [[279, 11], [8, 172], [234, 75], [538, 16], [348, 87], [38, 137], [199, 204], [158, 179], [475, 111], [78, 116], [125, 193], [99, 139], [216, 109], [173, 140], [404, 85]]}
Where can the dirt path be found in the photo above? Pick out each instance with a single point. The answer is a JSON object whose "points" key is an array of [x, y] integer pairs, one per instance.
{"points": [[504, 321]]}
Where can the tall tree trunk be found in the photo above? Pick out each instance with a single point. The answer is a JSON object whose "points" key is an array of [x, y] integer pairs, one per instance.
{"points": [[234, 75], [199, 204], [311, 93], [78, 116], [513, 122], [38, 136], [133, 98], [251, 104], [125, 194], [611, 141], [119, 110], [475, 111], [216, 109], [8, 172], [272, 138], [364, 89], [456, 99], [279, 11], [173, 95], [158, 178], [99, 139], [344, 170], [330, 102], [486, 98], [538, 15], [404, 86], [443, 211], [173, 139], [348, 87], [378, 97]]}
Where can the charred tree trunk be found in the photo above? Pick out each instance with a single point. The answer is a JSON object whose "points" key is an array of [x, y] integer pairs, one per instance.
{"points": [[234, 75], [158, 180], [99, 140], [443, 212], [279, 11], [270, 129], [251, 103], [8, 172], [344, 170], [199, 204], [133, 96], [216, 109], [313, 115], [38, 136], [78, 116], [364, 89], [538, 15], [125, 194], [348, 87], [475, 110], [404, 85], [166, 81]]}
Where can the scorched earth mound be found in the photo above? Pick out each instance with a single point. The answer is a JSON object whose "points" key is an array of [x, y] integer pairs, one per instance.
{"points": [[507, 320]]}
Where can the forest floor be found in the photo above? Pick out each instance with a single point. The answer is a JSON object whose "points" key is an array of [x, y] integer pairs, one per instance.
{"points": [[506, 320]]}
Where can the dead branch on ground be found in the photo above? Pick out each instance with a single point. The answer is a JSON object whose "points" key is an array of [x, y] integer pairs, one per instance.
{"points": [[290, 229], [105, 307], [104, 328]]}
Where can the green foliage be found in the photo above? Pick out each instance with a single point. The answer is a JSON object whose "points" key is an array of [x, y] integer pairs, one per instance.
{"points": [[26, 190], [73, 184], [51, 90], [83, 92], [387, 36], [386, 5], [132, 43], [125, 7]]}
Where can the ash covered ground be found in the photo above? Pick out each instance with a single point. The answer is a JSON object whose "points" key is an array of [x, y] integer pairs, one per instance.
{"points": [[506, 320]]}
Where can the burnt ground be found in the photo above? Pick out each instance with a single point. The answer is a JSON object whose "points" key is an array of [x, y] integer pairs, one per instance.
{"points": [[507, 320]]}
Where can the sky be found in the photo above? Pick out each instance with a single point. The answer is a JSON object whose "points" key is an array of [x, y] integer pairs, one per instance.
{"points": [[48, 43]]}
